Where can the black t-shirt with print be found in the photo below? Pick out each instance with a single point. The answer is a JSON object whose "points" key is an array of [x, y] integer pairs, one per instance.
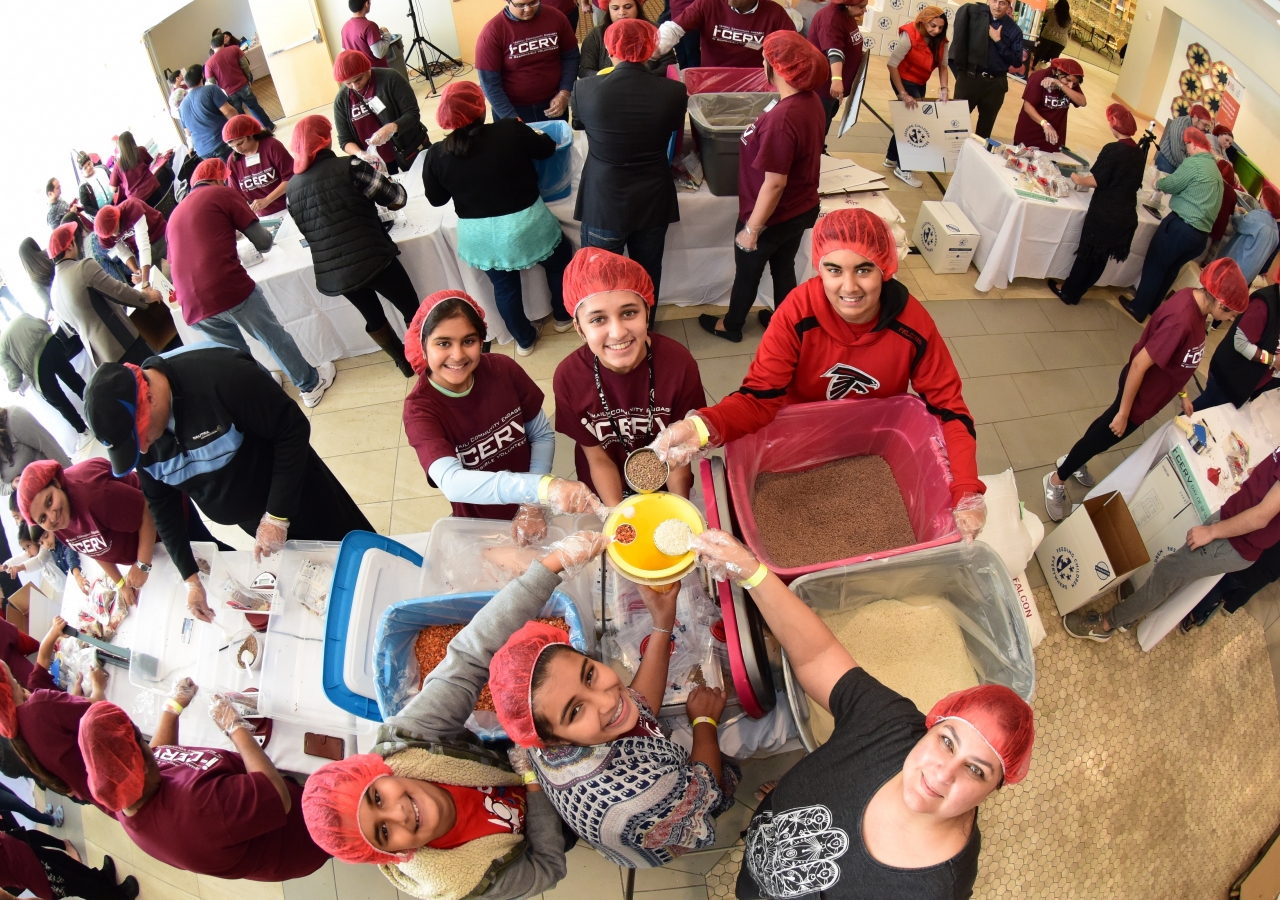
{"points": [[806, 837]]}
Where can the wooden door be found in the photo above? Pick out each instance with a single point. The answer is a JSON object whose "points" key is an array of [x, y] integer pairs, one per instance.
{"points": [[297, 53]]}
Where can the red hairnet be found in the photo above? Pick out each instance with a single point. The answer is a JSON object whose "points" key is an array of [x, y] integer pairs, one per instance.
{"points": [[595, 271], [107, 222], [240, 126], [311, 135], [1004, 720], [413, 336], [461, 103], [1221, 129], [349, 64], [34, 479], [631, 40], [331, 808], [1119, 118], [1196, 137], [797, 62], [511, 677], [1270, 198], [1067, 66], [1199, 112], [210, 170], [1225, 281], [109, 744], [8, 709], [63, 237], [858, 230]]}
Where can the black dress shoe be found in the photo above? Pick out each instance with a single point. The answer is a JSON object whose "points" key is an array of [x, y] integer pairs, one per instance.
{"points": [[708, 324], [765, 316], [129, 887], [109, 868], [1056, 289], [1126, 303]]}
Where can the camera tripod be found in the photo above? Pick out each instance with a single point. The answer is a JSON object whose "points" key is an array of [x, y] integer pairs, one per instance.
{"points": [[420, 44]]}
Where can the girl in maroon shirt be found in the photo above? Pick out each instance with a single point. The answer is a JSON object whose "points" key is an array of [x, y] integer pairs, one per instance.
{"points": [[1049, 96], [132, 173], [260, 165]]}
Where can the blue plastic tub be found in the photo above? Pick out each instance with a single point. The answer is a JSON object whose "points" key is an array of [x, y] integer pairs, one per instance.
{"points": [[395, 664], [555, 175]]}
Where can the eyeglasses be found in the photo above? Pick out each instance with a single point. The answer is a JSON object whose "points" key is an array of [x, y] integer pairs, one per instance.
{"points": [[521, 7]]}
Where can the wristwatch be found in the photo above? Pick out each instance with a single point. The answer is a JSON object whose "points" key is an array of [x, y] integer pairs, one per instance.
{"points": [[143, 567]]}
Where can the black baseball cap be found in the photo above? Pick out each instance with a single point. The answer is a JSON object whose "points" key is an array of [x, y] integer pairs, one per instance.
{"points": [[110, 408]]}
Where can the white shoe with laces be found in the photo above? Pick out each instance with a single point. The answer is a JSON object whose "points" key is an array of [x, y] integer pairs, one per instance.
{"points": [[908, 177], [1081, 474], [311, 399]]}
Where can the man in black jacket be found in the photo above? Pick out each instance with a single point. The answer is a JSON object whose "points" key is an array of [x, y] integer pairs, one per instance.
{"points": [[626, 198], [986, 43], [210, 422], [376, 113]]}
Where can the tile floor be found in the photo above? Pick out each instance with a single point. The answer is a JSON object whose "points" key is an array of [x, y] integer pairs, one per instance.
{"points": [[1035, 374]]}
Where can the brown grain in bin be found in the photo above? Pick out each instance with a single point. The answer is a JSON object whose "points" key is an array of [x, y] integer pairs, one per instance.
{"points": [[433, 644], [849, 507], [645, 471]]}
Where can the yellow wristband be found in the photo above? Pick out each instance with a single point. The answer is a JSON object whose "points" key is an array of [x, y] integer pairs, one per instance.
{"points": [[704, 436], [544, 487], [529, 778], [1182, 394], [837, 78], [173, 706], [705, 720], [119, 584], [754, 580]]}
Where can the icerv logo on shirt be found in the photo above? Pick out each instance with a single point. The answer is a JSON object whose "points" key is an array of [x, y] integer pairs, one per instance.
{"points": [[726, 35], [1056, 101], [91, 544], [634, 421], [496, 442], [1192, 358], [531, 46], [265, 178]]}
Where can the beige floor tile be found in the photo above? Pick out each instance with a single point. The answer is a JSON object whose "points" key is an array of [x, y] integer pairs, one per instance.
{"points": [[107, 834], [700, 863], [954, 318], [693, 892], [989, 354], [221, 889], [356, 362], [672, 328], [655, 882], [548, 388], [948, 287], [319, 885], [994, 399], [1066, 349], [723, 376], [363, 386], [361, 883], [588, 875], [1088, 315], [706, 346], [373, 427], [955, 358], [565, 464], [379, 516], [991, 456], [183, 881], [1113, 346], [368, 477], [1037, 441], [1031, 490], [413, 516], [1027, 288], [551, 349], [1000, 316], [410, 479], [908, 281], [1060, 390], [1103, 382]]}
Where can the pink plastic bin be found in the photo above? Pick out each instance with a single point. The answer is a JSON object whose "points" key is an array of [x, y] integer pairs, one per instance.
{"points": [[726, 80], [898, 429]]}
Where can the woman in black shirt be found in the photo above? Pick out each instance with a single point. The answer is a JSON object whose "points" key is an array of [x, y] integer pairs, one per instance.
{"points": [[900, 821], [503, 225]]}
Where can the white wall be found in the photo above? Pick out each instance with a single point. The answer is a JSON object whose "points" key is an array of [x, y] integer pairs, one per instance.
{"points": [[182, 39], [435, 21]]}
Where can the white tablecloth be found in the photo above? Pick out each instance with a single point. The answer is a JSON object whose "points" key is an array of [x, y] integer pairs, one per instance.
{"points": [[698, 268], [1027, 238]]}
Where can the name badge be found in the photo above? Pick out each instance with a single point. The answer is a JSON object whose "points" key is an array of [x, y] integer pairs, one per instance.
{"points": [[376, 105], [253, 159], [772, 104]]}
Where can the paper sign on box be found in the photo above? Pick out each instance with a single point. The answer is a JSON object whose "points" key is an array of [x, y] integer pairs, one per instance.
{"points": [[1164, 513], [1091, 551], [945, 238], [931, 135]]}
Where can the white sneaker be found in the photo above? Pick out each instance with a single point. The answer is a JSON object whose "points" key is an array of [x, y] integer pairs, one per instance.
{"points": [[1055, 498], [275, 376], [1081, 474], [562, 327], [890, 163], [908, 177], [311, 399], [82, 443], [527, 351]]}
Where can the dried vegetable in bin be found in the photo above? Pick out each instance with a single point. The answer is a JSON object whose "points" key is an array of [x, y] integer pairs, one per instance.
{"points": [[432, 646]]}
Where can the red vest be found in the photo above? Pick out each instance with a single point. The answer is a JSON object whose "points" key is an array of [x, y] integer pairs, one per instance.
{"points": [[918, 65]]}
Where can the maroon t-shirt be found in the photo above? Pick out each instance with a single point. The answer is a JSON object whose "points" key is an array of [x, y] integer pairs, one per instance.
{"points": [[357, 34], [15, 647], [579, 415], [21, 870], [485, 430], [259, 174], [131, 211], [1255, 487], [224, 68], [527, 54], [726, 34], [207, 275], [1053, 106], [365, 121], [49, 723], [787, 140], [212, 817], [106, 512], [832, 29], [139, 181], [1174, 338]]}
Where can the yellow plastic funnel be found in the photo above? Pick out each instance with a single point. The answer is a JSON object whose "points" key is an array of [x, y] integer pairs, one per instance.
{"points": [[641, 561]]}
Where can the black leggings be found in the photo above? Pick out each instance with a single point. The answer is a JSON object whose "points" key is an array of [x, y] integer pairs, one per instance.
{"points": [[394, 283], [67, 877], [1098, 437], [52, 365], [776, 248]]}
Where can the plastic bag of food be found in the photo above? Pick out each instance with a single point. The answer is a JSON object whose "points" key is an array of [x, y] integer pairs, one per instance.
{"points": [[311, 587]]}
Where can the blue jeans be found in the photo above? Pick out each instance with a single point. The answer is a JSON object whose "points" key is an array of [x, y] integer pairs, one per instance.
{"points": [[645, 247], [1163, 164], [254, 315], [915, 90], [689, 50], [11, 802], [1174, 244], [245, 97], [509, 297]]}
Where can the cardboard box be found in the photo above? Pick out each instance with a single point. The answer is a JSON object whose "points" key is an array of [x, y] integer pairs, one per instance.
{"points": [[884, 24], [18, 610], [870, 40], [1091, 551], [889, 43], [1164, 513], [945, 237], [930, 134], [898, 8]]}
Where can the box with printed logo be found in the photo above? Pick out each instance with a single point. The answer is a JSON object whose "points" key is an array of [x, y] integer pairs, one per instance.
{"points": [[884, 24], [1091, 551], [944, 237], [930, 134], [870, 40], [1164, 513]]}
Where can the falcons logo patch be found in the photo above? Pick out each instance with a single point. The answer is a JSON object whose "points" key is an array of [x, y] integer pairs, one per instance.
{"points": [[846, 380]]}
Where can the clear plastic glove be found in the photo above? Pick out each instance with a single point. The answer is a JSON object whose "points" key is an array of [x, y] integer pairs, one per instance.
{"points": [[519, 759], [577, 550], [382, 135], [529, 525], [680, 443], [197, 602], [272, 533], [98, 682], [943, 95], [970, 514], [183, 691], [725, 556], [225, 715], [565, 497]]}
